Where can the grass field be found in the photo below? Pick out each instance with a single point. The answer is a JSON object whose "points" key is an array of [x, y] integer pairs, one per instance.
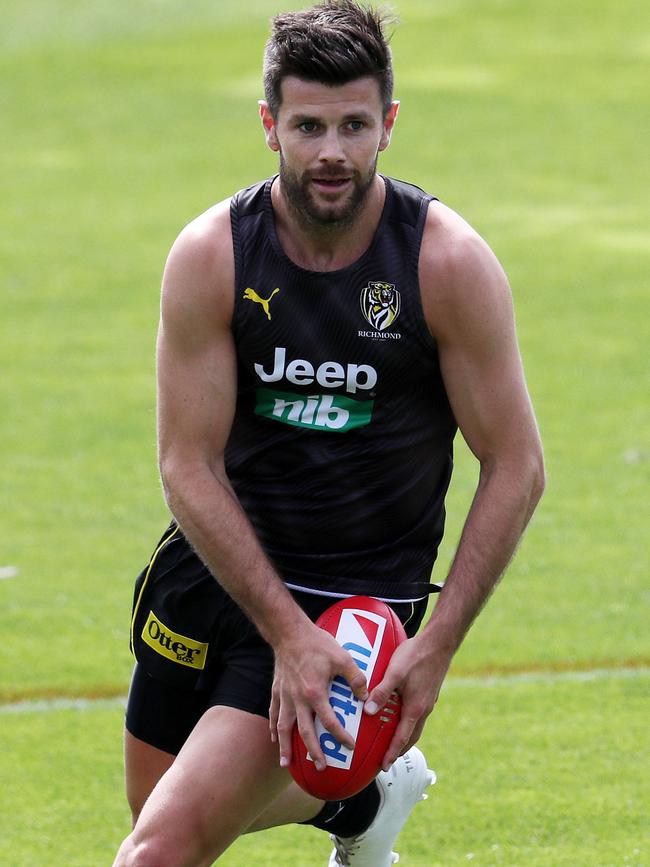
{"points": [[121, 123]]}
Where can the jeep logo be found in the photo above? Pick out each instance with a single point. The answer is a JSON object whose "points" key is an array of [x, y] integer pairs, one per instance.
{"points": [[329, 374]]}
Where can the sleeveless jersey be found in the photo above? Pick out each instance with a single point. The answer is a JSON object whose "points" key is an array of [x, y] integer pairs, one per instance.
{"points": [[341, 447]]}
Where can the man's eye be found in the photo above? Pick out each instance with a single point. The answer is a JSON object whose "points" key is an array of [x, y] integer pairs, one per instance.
{"points": [[356, 125], [308, 126]]}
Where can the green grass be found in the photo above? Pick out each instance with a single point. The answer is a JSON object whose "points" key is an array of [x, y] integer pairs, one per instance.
{"points": [[118, 126], [536, 772]]}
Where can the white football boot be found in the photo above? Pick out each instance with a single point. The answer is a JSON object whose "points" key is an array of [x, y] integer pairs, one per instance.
{"points": [[400, 789]]}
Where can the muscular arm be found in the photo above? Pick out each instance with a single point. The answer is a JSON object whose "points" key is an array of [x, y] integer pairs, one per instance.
{"points": [[196, 401], [472, 320], [468, 308], [197, 387]]}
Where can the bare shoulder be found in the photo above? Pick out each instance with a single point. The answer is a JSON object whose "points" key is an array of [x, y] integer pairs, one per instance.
{"points": [[461, 279], [200, 272]]}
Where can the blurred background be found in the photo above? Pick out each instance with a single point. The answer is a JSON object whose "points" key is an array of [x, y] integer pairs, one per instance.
{"points": [[119, 123]]}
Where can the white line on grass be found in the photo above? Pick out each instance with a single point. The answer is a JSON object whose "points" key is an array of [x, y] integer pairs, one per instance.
{"points": [[490, 680], [487, 681], [47, 705]]}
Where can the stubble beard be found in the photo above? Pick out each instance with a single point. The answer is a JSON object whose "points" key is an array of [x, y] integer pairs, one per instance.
{"points": [[324, 218]]}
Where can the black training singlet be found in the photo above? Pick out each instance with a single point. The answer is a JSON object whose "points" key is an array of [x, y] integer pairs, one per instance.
{"points": [[341, 448]]}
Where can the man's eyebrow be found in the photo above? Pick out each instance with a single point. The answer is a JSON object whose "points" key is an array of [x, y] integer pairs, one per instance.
{"points": [[299, 117], [358, 115], [303, 117]]}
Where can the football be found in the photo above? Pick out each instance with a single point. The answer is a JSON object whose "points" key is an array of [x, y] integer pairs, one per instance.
{"points": [[370, 631]]}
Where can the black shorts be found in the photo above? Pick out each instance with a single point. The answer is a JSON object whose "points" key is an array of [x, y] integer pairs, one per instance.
{"points": [[196, 649]]}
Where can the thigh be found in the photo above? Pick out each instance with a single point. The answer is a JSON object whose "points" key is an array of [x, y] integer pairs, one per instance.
{"points": [[159, 719], [225, 775], [144, 765], [162, 714]]}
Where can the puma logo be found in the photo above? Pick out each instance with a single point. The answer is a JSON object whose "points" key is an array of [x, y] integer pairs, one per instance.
{"points": [[252, 295]]}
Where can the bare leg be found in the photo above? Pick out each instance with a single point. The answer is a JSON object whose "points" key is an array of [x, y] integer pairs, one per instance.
{"points": [[144, 766], [292, 805], [226, 775]]}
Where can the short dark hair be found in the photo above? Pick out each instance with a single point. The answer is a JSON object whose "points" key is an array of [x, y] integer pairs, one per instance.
{"points": [[333, 43]]}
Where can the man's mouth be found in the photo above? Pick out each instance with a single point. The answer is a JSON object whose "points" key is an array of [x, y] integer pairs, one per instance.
{"points": [[331, 183]]}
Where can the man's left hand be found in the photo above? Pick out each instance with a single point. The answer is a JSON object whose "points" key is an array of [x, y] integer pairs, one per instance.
{"points": [[416, 673]]}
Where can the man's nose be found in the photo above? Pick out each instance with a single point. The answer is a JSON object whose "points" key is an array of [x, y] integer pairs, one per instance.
{"points": [[331, 149]]}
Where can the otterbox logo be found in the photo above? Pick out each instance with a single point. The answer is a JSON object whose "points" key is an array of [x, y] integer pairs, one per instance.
{"points": [[173, 646]]}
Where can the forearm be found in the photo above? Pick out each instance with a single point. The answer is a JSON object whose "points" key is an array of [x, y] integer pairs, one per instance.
{"points": [[208, 512], [504, 503], [306, 658]]}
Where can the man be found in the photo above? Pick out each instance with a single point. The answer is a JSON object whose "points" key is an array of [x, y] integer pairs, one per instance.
{"points": [[322, 335]]}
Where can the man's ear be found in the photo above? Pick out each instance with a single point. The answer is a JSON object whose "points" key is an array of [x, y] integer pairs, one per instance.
{"points": [[389, 123], [268, 124]]}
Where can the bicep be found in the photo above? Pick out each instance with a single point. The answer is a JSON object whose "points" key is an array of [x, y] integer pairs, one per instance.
{"points": [[196, 396], [473, 322], [483, 376], [196, 361]]}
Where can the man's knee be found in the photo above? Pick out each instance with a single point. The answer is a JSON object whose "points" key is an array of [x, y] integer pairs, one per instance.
{"points": [[146, 853]]}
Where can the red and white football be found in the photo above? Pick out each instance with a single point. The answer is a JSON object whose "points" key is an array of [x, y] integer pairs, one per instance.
{"points": [[370, 631]]}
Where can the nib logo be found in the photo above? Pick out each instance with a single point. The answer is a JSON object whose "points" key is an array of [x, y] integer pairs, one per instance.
{"points": [[360, 633]]}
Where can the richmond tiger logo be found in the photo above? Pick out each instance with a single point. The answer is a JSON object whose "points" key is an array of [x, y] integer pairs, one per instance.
{"points": [[380, 304]]}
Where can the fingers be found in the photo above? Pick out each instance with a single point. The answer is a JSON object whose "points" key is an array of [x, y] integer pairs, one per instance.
{"points": [[291, 705], [355, 679], [333, 732], [382, 692], [281, 719], [274, 712], [415, 688], [284, 728], [377, 700], [407, 734], [399, 670], [331, 722], [303, 716], [408, 729]]}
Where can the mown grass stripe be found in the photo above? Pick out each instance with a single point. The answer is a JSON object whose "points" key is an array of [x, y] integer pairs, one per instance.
{"points": [[46, 705], [54, 693], [53, 704], [541, 677]]}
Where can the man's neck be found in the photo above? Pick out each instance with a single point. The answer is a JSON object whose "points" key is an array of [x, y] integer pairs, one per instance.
{"points": [[327, 248]]}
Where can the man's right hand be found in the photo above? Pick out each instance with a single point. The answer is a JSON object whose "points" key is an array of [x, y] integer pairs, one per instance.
{"points": [[305, 665]]}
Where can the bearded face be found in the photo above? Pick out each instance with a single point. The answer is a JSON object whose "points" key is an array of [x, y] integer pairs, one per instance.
{"points": [[313, 209]]}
